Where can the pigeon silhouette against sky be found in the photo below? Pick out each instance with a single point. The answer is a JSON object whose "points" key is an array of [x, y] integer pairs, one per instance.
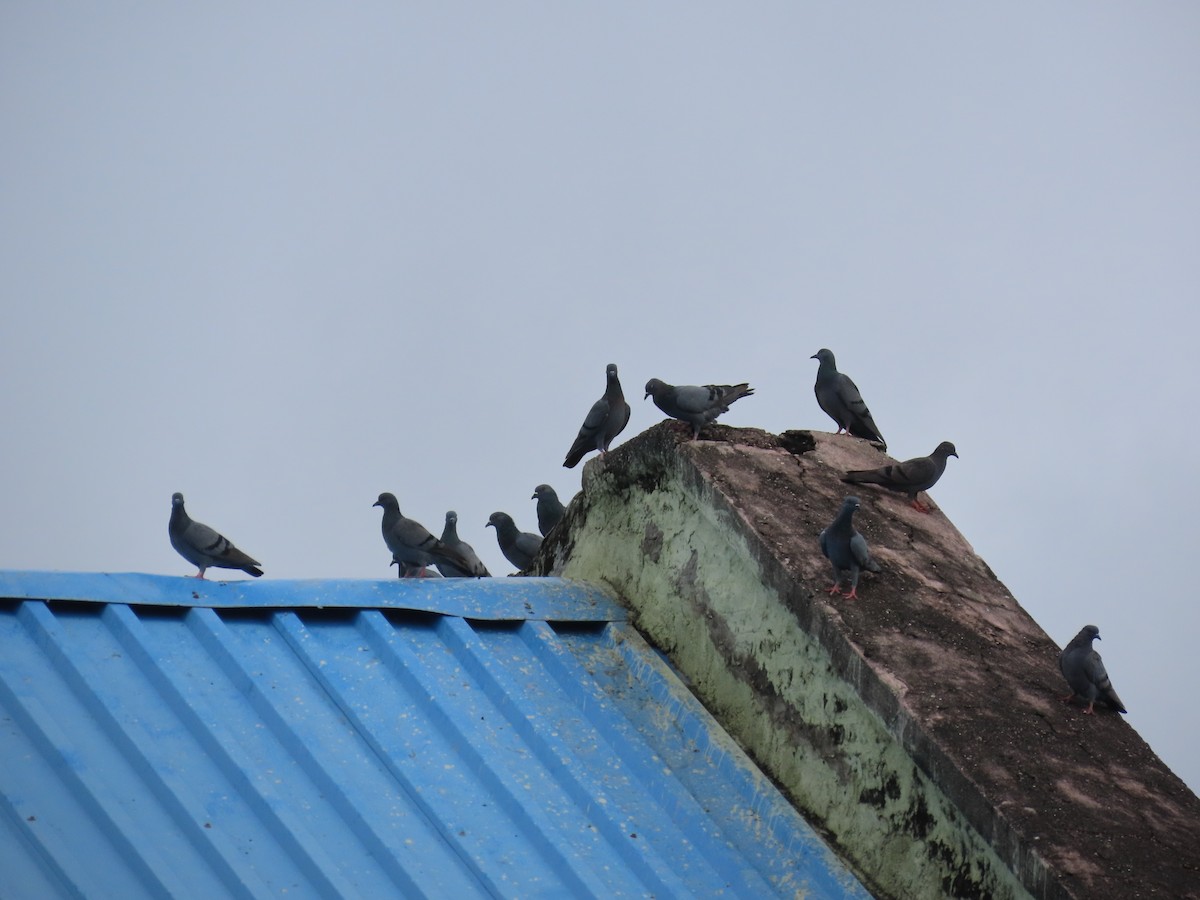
{"points": [[909, 477], [695, 404], [549, 508], [519, 547], [1085, 674], [202, 546], [411, 542], [840, 399], [605, 420], [846, 549], [451, 539]]}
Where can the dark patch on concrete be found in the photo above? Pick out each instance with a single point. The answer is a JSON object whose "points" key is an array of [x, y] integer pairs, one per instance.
{"points": [[958, 883], [918, 821], [880, 796], [652, 542], [798, 442]]}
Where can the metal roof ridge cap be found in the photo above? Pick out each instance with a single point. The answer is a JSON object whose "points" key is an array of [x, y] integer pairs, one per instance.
{"points": [[495, 599]]}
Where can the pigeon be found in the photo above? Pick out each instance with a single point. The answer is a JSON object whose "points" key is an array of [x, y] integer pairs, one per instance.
{"points": [[410, 542], [1085, 674], [451, 539], [408, 570], [605, 420], [202, 546], [549, 508], [909, 477], [839, 397], [695, 404], [846, 549], [519, 547]]}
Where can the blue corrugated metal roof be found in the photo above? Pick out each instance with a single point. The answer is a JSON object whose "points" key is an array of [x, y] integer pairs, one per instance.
{"points": [[359, 739]]}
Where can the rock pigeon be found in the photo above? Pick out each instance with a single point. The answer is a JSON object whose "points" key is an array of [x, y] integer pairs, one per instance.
{"points": [[202, 546], [605, 420], [519, 547], [549, 508], [407, 570], [839, 397], [451, 539], [695, 404], [846, 549], [1084, 671], [411, 542], [909, 477]]}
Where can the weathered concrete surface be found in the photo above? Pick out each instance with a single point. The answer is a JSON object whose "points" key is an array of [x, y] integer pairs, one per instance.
{"points": [[919, 725]]}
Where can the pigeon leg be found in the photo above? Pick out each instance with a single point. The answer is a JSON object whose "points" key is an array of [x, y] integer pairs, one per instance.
{"points": [[853, 595], [1089, 711], [919, 506], [837, 588], [200, 575]]}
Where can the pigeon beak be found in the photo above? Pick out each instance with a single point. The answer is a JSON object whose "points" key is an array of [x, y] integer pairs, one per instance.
{"points": [[534, 497], [376, 503], [647, 395]]}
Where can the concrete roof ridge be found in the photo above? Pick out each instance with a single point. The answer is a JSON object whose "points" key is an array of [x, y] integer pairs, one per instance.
{"points": [[956, 675]]}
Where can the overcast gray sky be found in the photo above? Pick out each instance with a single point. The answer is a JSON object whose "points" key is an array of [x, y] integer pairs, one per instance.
{"points": [[282, 257]]}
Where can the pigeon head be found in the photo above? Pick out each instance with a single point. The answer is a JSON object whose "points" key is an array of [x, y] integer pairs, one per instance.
{"points": [[387, 501], [451, 517], [497, 519], [823, 356], [1091, 631], [653, 386], [611, 371], [945, 448], [850, 503], [177, 500]]}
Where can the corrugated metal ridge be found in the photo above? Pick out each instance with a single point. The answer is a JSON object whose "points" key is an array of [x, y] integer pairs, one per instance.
{"points": [[497, 599]]}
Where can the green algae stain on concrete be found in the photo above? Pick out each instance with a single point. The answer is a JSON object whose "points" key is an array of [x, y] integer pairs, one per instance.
{"points": [[658, 536]]}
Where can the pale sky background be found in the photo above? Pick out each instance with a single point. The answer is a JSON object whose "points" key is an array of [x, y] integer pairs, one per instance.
{"points": [[282, 257]]}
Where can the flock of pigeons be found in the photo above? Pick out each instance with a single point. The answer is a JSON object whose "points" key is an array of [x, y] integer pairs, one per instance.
{"points": [[414, 548]]}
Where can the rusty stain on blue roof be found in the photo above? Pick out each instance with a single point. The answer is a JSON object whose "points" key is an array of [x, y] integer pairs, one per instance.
{"points": [[453, 738]]}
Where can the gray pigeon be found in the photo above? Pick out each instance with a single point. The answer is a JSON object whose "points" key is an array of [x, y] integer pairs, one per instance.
{"points": [[1084, 671], [605, 420], [203, 547], [407, 570], [839, 397], [549, 508], [909, 477], [695, 404], [846, 549], [451, 539], [410, 542], [519, 547]]}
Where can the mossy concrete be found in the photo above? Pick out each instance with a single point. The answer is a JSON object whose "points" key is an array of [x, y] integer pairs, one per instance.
{"points": [[710, 545]]}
